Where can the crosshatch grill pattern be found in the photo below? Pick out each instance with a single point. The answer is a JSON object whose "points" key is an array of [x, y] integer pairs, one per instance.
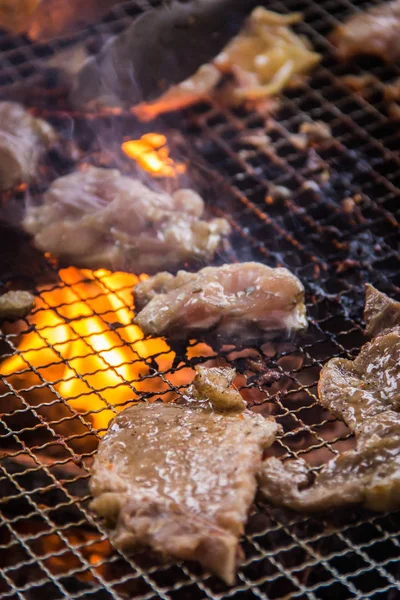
{"points": [[50, 544]]}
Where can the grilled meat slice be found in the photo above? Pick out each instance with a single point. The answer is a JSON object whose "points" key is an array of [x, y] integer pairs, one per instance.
{"points": [[16, 304], [249, 299], [365, 393], [369, 475], [381, 312], [23, 139], [179, 478], [262, 59], [100, 218], [375, 31]]}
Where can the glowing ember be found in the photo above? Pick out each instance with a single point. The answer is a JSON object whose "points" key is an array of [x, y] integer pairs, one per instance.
{"points": [[83, 343], [151, 152]]}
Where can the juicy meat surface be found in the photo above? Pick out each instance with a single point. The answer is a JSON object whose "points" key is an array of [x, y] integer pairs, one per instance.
{"points": [[180, 478], [246, 298], [375, 31], [23, 139], [16, 304], [365, 394], [98, 218], [381, 312]]}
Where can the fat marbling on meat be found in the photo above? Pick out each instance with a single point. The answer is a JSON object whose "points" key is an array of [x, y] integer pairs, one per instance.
{"points": [[250, 299], [99, 218], [375, 31], [179, 478], [365, 394], [23, 139]]}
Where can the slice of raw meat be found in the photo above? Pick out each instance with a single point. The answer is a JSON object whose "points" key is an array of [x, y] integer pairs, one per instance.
{"points": [[99, 218], [365, 394], [246, 299], [375, 31], [180, 478]]}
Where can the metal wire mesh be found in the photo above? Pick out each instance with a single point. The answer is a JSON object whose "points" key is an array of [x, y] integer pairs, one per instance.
{"points": [[50, 544]]}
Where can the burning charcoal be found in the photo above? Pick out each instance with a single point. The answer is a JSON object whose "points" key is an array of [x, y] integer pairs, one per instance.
{"points": [[247, 300], [98, 218], [180, 478], [372, 32], [23, 138], [32, 474], [16, 304], [364, 393]]}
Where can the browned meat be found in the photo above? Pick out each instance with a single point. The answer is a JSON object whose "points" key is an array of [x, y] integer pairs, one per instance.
{"points": [[16, 304], [215, 383], [365, 393], [381, 312], [375, 31], [180, 478], [23, 139], [247, 299], [100, 218]]}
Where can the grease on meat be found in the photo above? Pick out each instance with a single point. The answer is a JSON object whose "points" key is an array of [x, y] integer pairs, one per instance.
{"points": [[365, 394], [99, 218], [180, 478], [249, 299]]}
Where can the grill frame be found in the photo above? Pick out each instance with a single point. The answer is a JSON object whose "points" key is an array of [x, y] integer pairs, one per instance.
{"points": [[287, 555]]}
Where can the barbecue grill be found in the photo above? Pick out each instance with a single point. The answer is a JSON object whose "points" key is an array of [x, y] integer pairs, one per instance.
{"points": [[336, 230]]}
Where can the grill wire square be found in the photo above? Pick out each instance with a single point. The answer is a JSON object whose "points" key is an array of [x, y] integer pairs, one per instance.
{"points": [[51, 546]]}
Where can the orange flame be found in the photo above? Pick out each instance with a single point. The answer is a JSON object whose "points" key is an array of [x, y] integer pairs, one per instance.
{"points": [[83, 338], [151, 152]]}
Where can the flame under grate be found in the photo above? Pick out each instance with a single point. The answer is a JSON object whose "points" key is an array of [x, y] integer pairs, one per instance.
{"points": [[50, 545]]}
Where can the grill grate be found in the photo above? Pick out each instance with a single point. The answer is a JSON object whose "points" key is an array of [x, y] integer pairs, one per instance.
{"points": [[50, 545]]}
